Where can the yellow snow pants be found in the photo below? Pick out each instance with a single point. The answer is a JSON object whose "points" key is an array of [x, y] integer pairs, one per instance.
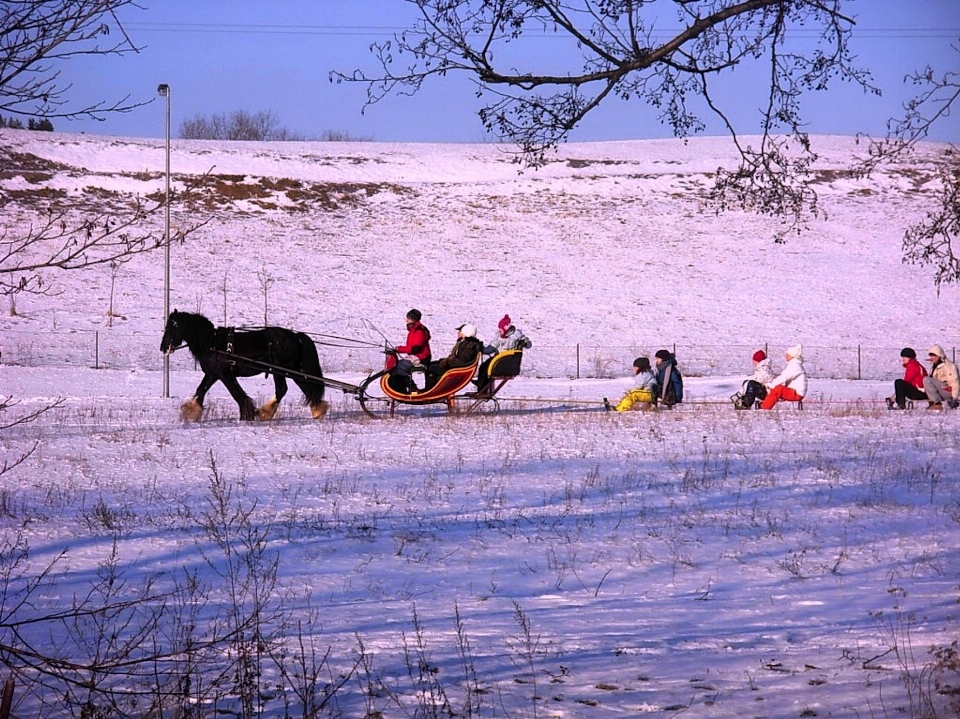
{"points": [[635, 399]]}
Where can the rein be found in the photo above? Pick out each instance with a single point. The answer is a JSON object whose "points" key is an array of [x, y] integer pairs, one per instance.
{"points": [[347, 342]]}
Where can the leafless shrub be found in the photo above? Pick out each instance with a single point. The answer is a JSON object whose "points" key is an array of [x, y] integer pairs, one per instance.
{"points": [[932, 685], [238, 125], [122, 648], [102, 517]]}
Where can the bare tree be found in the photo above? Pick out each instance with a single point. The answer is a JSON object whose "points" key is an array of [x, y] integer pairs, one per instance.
{"points": [[616, 49], [239, 125], [37, 35]]}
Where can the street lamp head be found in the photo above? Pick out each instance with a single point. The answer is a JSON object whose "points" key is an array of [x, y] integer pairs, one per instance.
{"points": [[163, 89]]}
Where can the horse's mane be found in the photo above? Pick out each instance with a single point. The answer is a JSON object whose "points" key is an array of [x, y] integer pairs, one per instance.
{"points": [[201, 330], [193, 317]]}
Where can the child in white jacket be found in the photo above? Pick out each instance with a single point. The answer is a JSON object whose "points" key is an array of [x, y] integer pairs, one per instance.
{"points": [[791, 384]]}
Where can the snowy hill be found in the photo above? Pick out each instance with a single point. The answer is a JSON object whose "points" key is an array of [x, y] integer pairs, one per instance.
{"points": [[608, 245], [550, 560]]}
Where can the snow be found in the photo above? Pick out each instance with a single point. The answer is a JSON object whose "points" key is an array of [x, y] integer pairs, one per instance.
{"points": [[698, 561]]}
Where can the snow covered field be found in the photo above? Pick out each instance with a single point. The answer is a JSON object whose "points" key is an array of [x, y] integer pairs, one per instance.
{"points": [[552, 560]]}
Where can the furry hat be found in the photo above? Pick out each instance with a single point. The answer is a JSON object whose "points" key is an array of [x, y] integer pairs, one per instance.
{"points": [[795, 351], [467, 330], [908, 352], [938, 351], [414, 315], [759, 356]]}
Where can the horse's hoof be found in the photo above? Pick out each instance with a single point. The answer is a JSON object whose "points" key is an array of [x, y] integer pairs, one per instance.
{"points": [[268, 410], [191, 410], [319, 410]]}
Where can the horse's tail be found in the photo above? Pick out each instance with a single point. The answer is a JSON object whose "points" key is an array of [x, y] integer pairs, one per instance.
{"points": [[310, 364]]}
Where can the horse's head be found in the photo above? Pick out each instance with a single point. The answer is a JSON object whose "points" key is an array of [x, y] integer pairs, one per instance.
{"points": [[172, 334]]}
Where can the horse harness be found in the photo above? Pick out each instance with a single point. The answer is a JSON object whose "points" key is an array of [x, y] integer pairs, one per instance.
{"points": [[229, 334]]}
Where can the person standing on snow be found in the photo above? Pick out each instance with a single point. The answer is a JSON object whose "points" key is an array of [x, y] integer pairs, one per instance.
{"points": [[791, 384], [911, 386]]}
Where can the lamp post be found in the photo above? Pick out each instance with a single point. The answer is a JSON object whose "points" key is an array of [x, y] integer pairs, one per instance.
{"points": [[164, 89]]}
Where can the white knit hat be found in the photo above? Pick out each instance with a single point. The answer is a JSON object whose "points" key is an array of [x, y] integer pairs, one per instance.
{"points": [[795, 351]]}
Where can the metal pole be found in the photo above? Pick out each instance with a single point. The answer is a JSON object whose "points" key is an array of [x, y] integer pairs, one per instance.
{"points": [[7, 702], [165, 91]]}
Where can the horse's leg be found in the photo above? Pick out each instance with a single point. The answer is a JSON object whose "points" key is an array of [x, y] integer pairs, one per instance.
{"points": [[319, 409], [279, 390], [192, 409], [248, 410], [313, 390]]}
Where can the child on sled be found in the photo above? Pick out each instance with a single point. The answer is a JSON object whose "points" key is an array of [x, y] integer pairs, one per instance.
{"points": [[755, 386], [643, 395]]}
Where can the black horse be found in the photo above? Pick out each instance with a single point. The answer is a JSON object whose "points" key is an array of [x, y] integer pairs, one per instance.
{"points": [[222, 351]]}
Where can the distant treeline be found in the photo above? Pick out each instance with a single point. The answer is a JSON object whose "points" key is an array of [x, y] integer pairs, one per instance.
{"points": [[32, 124], [250, 126]]}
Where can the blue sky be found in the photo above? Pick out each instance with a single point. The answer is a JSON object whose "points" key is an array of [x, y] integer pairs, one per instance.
{"points": [[224, 55]]}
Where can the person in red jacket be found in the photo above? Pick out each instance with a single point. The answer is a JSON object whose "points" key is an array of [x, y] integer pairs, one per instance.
{"points": [[911, 386], [415, 352]]}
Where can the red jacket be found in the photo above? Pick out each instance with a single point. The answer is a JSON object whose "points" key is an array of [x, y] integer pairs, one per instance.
{"points": [[418, 342], [913, 373]]}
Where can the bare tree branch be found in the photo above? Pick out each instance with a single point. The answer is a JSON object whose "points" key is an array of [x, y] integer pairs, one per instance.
{"points": [[61, 237], [932, 241], [7, 403], [37, 35], [616, 49]]}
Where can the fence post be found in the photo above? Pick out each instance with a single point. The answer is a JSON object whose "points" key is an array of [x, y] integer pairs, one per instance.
{"points": [[859, 364], [96, 349], [578, 360]]}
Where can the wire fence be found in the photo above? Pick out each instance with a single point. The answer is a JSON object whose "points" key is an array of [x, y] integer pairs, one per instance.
{"points": [[118, 350]]}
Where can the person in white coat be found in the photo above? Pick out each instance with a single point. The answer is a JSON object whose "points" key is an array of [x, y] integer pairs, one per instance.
{"points": [[943, 382], [791, 384]]}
